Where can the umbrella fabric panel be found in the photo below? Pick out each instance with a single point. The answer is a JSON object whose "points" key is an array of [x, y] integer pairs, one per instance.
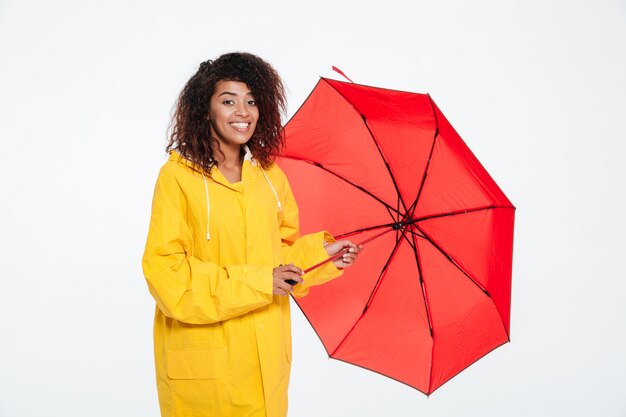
{"points": [[331, 203], [380, 103], [407, 149], [466, 323], [335, 307], [480, 243], [392, 336], [328, 129], [403, 126], [456, 181]]}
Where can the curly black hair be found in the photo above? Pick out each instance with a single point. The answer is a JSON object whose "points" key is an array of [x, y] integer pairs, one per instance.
{"points": [[190, 128]]}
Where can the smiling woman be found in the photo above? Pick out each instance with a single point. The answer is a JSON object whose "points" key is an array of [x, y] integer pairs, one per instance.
{"points": [[194, 128], [224, 250]]}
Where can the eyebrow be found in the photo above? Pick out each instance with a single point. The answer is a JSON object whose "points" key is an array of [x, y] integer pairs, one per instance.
{"points": [[233, 94]]}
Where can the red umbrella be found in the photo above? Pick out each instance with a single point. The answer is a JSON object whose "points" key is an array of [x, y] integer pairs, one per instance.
{"points": [[430, 294]]}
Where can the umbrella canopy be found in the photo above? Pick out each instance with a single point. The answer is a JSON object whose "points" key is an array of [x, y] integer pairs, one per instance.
{"points": [[430, 294]]}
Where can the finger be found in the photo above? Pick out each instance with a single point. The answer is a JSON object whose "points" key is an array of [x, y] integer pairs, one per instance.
{"points": [[296, 276], [347, 244], [348, 248], [280, 288], [352, 247], [335, 248], [292, 268], [349, 258], [350, 255], [282, 285], [353, 252], [293, 279]]}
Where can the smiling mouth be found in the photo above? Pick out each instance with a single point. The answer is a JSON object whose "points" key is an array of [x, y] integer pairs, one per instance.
{"points": [[240, 125]]}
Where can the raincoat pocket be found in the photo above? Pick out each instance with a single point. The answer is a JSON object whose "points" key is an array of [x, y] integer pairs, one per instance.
{"points": [[197, 364]]}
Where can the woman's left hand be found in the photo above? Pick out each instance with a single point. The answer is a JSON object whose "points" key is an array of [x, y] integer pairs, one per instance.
{"points": [[348, 257]]}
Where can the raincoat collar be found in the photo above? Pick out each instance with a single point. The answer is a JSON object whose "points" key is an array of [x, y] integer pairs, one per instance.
{"points": [[177, 156], [217, 177]]}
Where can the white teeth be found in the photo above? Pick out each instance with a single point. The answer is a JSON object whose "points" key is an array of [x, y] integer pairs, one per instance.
{"points": [[240, 125]]}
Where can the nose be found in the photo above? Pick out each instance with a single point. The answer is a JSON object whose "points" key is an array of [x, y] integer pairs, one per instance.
{"points": [[242, 109]]}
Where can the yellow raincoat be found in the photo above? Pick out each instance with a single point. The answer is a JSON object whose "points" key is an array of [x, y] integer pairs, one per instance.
{"points": [[222, 340]]}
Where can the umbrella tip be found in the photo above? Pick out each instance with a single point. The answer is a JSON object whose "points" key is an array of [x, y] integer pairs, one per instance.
{"points": [[340, 72]]}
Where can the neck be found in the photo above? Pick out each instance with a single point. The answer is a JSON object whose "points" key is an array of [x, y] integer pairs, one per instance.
{"points": [[232, 156]]}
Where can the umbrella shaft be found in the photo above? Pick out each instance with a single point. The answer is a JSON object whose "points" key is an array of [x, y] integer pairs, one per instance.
{"points": [[343, 251]]}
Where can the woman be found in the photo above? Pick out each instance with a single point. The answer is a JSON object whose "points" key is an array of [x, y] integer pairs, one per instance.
{"points": [[224, 249]]}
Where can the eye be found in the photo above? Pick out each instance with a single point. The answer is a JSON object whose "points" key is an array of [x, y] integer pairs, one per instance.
{"points": [[228, 101], [251, 102]]}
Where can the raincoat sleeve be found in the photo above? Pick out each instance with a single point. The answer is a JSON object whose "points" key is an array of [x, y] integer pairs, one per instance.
{"points": [[184, 287], [304, 251]]}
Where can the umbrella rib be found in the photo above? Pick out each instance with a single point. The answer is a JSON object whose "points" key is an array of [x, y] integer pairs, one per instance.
{"points": [[393, 179], [426, 306], [358, 187], [457, 212], [422, 283], [364, 229], [451, 260], [395, 225], [414, 233], [382, 273], [430, 155], [376, 286]]}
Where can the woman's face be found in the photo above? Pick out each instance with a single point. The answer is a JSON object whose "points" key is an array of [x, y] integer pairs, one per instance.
{"points": [[233, 113]]}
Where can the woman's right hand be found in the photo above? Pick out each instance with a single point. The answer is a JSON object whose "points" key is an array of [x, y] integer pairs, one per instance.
{"points": [[283, 273]]}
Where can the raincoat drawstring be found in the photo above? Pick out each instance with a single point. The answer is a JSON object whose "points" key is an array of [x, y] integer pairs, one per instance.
{"points": [[208, 207], [248, 157], [208, 204], [280, 207]]}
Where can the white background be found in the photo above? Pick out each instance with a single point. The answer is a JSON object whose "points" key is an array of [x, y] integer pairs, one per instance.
{"points": [[536, 88]]}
